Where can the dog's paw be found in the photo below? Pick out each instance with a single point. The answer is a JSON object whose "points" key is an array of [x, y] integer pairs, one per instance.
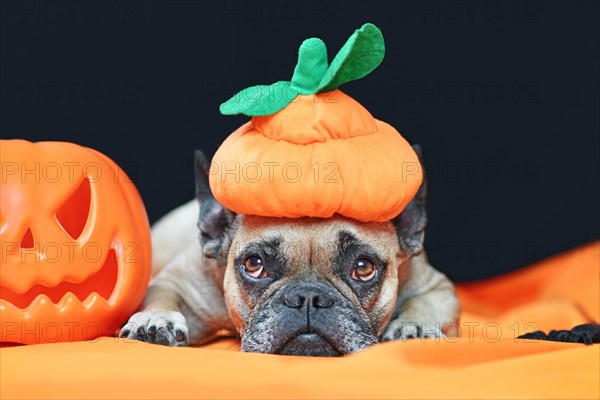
{"points": [[156, 326], [402, 330]]}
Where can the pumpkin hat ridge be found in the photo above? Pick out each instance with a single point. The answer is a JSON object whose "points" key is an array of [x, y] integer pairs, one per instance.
{"points": [[311, 150]]}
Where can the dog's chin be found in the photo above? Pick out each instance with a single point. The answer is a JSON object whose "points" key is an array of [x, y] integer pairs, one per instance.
{"points": [[308, 344]]}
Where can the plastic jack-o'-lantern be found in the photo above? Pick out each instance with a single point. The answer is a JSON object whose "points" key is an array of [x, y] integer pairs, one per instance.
{"points": [[75, 243]]}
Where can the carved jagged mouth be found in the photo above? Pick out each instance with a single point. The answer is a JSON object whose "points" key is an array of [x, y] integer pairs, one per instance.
{"points": [[101, 283]]}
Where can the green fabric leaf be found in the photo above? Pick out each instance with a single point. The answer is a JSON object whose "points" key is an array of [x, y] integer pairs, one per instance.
{"points": [[360, 55], [311, 66], [260, 100]]}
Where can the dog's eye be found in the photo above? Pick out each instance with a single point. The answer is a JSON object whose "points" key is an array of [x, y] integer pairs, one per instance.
{"points": [[364, 270], [254, 267]]}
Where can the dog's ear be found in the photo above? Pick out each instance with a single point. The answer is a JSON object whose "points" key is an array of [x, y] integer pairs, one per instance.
{"points": [[214, 221], [410, 224]]}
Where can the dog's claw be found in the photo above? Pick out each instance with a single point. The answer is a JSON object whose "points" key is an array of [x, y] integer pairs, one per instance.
{"points": [[152, 331], [180, 336], [141, 332]]}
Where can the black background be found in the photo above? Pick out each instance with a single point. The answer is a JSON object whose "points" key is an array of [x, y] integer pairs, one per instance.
{"points": [[503, 96]]}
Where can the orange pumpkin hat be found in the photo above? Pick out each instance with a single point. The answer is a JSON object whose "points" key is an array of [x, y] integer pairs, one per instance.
{"points": [[310, 150]]}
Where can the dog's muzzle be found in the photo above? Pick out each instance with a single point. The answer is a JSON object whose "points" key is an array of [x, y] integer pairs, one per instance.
{"points": [[307, 318], [308, 307]]}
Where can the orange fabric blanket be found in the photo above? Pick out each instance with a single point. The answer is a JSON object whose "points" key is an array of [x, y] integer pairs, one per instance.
{"points": [[486, 361]]}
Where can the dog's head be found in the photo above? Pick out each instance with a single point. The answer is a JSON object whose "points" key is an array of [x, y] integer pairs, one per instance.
{"points": [[308, 286]]}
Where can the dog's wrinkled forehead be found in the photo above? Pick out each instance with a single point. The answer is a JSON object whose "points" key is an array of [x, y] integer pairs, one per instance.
{"points": [[310, 244]]}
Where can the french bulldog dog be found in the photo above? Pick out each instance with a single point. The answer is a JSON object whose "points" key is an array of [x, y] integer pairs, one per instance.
{"points": [[305, 286]]}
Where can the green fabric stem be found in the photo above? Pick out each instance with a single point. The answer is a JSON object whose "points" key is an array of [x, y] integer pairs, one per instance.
{"points": [[359, 56]]}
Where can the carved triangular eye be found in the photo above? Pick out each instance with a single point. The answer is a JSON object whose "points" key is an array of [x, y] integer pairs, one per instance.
{"points": [[73, 215], [27, 241]]}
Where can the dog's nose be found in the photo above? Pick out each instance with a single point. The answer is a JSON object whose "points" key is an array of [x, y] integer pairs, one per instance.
{"points": [[313, 295]]}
